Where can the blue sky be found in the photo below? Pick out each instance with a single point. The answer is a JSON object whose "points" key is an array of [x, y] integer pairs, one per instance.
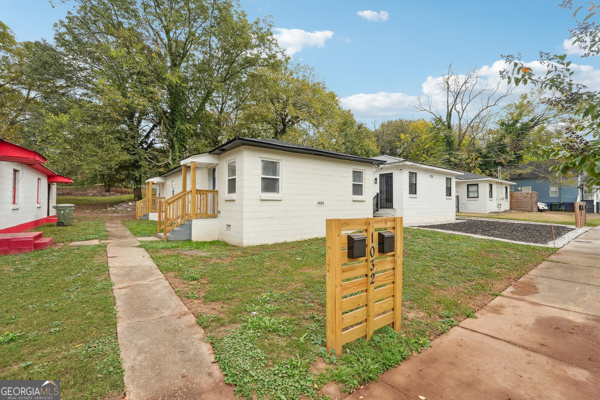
{"points": [[378, 56]]}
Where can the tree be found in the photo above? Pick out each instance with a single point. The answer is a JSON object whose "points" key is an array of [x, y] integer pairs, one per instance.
{"points": [[170, 73], [465, 112], [580, 149], [415, 140]]}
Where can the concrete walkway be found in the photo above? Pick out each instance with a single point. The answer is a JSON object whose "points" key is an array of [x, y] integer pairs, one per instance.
{"points": [[539, 340], [164, 352]]}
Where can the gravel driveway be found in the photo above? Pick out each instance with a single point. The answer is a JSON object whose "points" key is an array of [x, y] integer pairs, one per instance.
{"points": [[516, 231]]}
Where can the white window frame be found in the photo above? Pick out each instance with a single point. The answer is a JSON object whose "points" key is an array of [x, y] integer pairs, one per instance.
{"points": [[39, 192], [448, 187], [525, 187], [271, 195], [233, 177], [491, 191], [173, 188], [361, 183], [550, 190]]}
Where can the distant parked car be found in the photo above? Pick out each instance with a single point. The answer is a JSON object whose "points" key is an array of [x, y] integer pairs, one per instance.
{"points": [[542, 207]]}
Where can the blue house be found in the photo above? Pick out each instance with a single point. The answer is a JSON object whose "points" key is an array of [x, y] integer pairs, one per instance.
{"points": [[559, 193]]}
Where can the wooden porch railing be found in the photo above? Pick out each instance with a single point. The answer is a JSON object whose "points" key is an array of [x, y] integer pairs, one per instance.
{"points": [[182, 207], [147, 205]]}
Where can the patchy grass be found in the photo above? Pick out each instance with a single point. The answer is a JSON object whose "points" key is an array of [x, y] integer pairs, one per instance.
{"points": [[94, 199], [551, 217], [263, 307], [141, 228], [82, 229], [57, 321]]}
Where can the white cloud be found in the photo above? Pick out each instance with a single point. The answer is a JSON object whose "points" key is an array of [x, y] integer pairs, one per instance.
{"points": [[369, 15], [293, 40], [394, 105], [572, 49], [380, 105]]}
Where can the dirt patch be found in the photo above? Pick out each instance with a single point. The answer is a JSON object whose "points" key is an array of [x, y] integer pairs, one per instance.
{"points": [[193, 253], [524, 287], [333, 391], [92, 191], [415, 314], [196, 306], [101, 258], [518, 232]]}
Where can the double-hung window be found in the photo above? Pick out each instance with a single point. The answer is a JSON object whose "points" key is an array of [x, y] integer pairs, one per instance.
{"points": [[231, 177], [15, 187], [39, 189], [553, 191], [269, 176], [472, 191], [412, 183], [491, 195], [448, 187], [357, 183]]}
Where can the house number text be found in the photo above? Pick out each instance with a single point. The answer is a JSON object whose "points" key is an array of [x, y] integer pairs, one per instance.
{"points": [[372, 255]]}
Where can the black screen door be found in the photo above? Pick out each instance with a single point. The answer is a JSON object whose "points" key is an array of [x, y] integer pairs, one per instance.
{"points": [[386, 190]]}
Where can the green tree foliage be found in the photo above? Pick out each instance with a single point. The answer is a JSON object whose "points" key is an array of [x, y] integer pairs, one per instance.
{"points": [[579, 150], [416, 140]]}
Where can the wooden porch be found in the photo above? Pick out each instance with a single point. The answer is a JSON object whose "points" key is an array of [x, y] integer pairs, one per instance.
{"points": [[184, 206]]}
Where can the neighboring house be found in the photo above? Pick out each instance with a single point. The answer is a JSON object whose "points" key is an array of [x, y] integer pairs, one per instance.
{"points": [[29, 192], [558, 193], [420, 193], [258, 191], [482, 194]]}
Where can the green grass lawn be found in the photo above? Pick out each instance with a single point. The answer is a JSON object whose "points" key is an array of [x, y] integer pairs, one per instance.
{"points": [[82, 229], [551, 217], [94, 199], [57, 321], [141, 228], [263, 307]]}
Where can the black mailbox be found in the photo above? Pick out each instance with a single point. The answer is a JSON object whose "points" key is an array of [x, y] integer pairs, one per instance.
{"points": [[386, 242], [357, 246]]}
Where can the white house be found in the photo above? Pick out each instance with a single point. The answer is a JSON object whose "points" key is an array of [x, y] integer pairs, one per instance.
{"points": [[482, 194], [29, 192], [258, 191], [420, 193]]}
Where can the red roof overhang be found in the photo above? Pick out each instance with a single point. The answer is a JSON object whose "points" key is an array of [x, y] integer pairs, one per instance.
{"points": [[14, 153]]}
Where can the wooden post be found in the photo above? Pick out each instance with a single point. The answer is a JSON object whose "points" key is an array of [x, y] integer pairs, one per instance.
{"points": [[334, 287], [370, 277], [194, 198], [184, 178], [398, 250], [149, 195]]}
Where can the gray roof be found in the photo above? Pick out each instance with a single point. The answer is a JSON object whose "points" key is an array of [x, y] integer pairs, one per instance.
{"points": [[475, 177], [291, 147]]}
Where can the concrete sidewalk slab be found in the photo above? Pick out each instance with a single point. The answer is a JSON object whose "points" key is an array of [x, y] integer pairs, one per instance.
{"points": [[127, 276], [568, 272], [173, 341], [575, 257], [147, 300], [561, 294], [127, 256], [468, 365], [164, 352], [541, 329]]}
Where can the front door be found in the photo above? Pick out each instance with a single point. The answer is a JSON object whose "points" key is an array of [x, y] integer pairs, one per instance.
{"points": [[386, 190]]}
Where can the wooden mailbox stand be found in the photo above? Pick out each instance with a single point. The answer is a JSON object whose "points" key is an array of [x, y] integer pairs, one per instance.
{"points": [[363, 294]]}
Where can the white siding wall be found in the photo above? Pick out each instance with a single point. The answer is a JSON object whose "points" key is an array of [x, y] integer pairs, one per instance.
{"points": [[27, 209], [484, 204], [231, 205], [294, 214], [430, 204]]}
